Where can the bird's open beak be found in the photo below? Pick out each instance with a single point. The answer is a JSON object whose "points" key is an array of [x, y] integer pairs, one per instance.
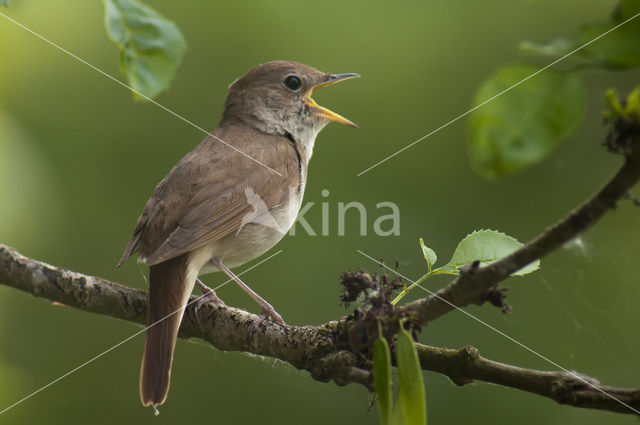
{"points": [[324, 112]]}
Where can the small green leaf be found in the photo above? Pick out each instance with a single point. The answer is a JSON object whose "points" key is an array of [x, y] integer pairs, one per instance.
{"points": [[632, 105], [613, 101], [382, 379], [525, 124], [630, 112], [429, 254], [151, 46], [557, 47], [411, 387], [487, 246]]}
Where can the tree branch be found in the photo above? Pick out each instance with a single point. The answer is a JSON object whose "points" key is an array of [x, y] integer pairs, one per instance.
{"points": [[313, 348], [338, 350], [478, 285], [322, 350], [466, 365]]}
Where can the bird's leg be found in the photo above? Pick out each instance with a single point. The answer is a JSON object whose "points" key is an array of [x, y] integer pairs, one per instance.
{"points": [[208, 296], [267, 310], [208, 293]]}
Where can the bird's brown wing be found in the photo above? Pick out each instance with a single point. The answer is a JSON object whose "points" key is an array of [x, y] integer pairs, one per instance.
{"points": [[203, 198]]}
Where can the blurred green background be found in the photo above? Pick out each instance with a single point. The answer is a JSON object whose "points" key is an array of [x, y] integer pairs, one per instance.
{"points": [[79, 158]]}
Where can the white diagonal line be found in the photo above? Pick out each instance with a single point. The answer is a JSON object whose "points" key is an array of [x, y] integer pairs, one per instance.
{"points": [[136, 92], [531, 350], [497, 95], [91, 360]]}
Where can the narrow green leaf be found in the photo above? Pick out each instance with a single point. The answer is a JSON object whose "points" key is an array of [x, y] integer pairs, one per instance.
{"points": [[487, 246], [151, 46], [382, 379], [398, 414], [411, 387], [429, 254], [525, 124]]}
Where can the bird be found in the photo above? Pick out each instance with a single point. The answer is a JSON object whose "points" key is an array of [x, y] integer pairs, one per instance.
{"points": [[226, 202]]}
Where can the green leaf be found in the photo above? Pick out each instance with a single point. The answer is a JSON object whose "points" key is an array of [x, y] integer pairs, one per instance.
{"points": [[557, 47], [4, 3], [447, 269], [613, 101], [487, 246], [625, 9], [411, 388], [630, 112], [525, 124], [151, 46], [619, 49], [632, 105], [382, 379], [398, 415], [429, 254]]}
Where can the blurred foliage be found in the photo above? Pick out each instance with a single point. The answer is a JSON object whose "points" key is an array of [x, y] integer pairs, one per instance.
{"points": [[543, 107], [526, 123], [100, 155], [20, 161], [151, 46]]}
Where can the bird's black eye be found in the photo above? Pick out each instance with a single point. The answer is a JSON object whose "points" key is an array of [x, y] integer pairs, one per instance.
{"points": [[292, 82]]}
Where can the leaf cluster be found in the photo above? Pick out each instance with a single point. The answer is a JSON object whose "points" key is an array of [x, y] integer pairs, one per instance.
{"points": [[479, 248], [524, 112], [623, 118], [151, 46]]}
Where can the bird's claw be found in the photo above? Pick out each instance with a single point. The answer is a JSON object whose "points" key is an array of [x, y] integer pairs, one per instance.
{"points": [[268, 312], [208, 297]]}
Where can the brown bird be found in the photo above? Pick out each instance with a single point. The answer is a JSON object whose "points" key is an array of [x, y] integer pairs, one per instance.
{"points": [[228, 201]]}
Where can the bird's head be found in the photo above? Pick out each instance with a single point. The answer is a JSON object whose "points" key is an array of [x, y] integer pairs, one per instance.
{"points": [[276, 98]]}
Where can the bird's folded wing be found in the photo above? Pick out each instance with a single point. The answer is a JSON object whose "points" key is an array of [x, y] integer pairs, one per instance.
{"points": [[208, 221], [204, 198]]}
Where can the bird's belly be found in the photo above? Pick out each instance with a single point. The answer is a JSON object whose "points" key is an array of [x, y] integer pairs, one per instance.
{"points": [[255, 237]]}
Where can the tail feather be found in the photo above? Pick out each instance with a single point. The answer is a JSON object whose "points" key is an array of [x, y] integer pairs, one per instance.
{"points": [[169, 290]]}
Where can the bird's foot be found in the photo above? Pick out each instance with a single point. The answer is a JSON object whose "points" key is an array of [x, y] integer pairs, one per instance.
{"points": [[208, 294], [208, 297], [268, 312]]}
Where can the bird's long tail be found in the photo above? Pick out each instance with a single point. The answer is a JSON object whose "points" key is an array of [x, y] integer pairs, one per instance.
{"points": [[169, 288]]}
